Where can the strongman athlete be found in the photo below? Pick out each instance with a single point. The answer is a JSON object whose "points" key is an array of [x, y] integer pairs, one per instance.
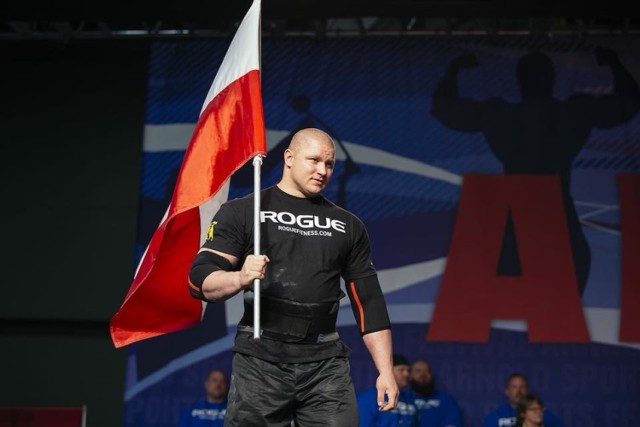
{"points": [[299, 367]]}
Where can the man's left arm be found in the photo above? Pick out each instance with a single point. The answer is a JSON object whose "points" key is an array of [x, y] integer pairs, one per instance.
{"points": [[380, 347], [370, 310]]}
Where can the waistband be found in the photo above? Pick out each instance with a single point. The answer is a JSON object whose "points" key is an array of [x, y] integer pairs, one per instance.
{"points": [[314, 338], [290, 321]]}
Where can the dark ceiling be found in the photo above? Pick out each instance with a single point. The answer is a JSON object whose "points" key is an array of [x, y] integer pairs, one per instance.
{"points": [[117, 18]]}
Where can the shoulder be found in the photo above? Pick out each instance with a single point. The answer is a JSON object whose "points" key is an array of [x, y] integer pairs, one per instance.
{"points": [[329, 205], [238, 203], [448, 403], [244, 203], [345, 215], [335, 212]]}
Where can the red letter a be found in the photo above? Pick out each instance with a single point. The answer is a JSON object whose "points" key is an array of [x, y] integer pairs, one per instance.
{"points": [[546, 294]]}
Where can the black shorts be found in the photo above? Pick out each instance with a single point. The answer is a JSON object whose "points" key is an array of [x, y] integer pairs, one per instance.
{"points": [[272, 394]]}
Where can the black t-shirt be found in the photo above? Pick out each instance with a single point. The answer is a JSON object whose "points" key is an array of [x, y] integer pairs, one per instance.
{"points": [[311, 243]]}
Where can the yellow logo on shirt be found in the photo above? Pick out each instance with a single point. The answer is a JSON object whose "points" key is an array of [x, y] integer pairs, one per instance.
{"points": [[210, 231]]}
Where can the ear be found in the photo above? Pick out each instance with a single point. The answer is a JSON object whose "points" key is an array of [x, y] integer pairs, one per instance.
{"points": [[288, 157]]}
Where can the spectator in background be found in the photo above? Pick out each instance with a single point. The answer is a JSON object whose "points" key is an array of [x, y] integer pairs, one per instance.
{"points": [[210, 411], [436, 408], [404, 415], [529, 411], [505, 415]]}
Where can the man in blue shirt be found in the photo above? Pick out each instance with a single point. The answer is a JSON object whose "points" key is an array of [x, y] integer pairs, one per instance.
{"points": [[405, 413], [435, 408], [505, 415], [209, 412]]}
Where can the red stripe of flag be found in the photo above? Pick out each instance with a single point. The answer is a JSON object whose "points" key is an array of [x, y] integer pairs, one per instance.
{"points": [[229, 132]]}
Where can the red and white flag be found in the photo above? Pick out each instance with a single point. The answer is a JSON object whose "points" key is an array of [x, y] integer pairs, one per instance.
{"points": [[229, 132]]}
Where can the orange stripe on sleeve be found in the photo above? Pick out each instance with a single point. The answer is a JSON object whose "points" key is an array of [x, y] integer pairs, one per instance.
{"points": [[359, 305]]}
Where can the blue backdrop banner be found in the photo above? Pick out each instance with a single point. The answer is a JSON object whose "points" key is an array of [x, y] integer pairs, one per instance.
{"points": [[487, 171]]}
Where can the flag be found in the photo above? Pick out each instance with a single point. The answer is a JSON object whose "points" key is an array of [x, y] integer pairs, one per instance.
{"points": [[229, 132]]}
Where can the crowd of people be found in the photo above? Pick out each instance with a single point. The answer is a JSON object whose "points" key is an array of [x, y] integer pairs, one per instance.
{"points": [[520, 406], [420, 403]]}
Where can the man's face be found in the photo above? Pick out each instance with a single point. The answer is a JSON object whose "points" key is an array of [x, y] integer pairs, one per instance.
{"points": [[312, 163], [216, 386], [516, 388], [401, 374], [421, 372]]}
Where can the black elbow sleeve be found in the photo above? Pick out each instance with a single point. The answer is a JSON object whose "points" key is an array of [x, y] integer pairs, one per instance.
{"points": [[205, 263], [368, 304]]}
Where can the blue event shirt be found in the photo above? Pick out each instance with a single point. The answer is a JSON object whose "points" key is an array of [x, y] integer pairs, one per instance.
{"points": [[204, 414], [404, 415], [505, 416], [439, 409]]}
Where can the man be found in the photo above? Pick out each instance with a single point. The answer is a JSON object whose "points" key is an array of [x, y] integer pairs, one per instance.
{"points": [[299, 366], [405, 415], [505, 415], [209, 412], [435, 408]]}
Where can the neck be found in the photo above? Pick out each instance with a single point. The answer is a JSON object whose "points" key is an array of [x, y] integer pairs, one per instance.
{"points": [[289, 189], [293, 191]]}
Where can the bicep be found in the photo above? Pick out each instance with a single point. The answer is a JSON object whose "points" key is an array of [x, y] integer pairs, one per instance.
{"points": [[368, 304], [231, 258]]}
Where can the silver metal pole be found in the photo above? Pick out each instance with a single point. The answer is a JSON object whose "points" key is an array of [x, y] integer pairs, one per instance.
{"points": [[257, 163]]}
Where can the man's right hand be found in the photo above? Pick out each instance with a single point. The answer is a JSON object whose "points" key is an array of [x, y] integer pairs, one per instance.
{"points": [[254, 267]]}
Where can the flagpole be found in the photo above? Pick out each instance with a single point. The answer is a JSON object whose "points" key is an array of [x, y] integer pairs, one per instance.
{"points": [[257, 163]]}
